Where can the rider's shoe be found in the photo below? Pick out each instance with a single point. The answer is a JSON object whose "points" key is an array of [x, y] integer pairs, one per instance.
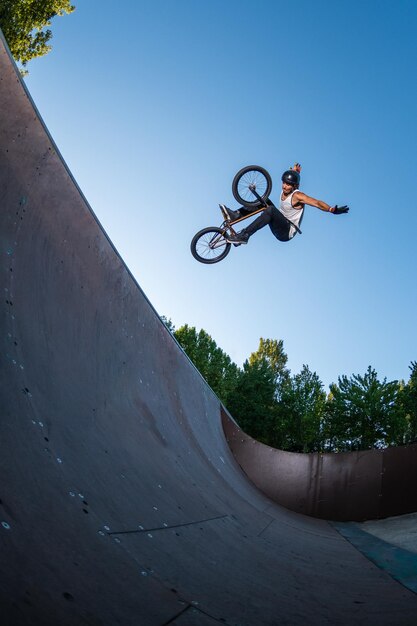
{"points": [[239, 238], [232, 215]]}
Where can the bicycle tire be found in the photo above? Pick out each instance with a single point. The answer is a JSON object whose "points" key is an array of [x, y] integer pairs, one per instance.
{"points": [[209, 245], [251, 175]]}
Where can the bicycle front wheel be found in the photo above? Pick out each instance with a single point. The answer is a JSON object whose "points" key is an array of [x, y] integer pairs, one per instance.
{"points": [[251, 177], [209, 245]]}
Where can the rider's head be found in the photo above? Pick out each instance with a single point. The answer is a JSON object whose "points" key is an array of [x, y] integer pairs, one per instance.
{"points": [[291, 177]]}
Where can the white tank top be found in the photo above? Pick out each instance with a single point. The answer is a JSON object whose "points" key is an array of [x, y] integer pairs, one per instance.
{"points": [[294, 215]]}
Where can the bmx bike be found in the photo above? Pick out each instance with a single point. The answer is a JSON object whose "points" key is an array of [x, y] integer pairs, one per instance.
{"points": [[251, 188]]}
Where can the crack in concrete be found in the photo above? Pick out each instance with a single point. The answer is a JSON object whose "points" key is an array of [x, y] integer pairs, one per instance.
{"points": [[266, 527], [196, 608], [152, 530]]}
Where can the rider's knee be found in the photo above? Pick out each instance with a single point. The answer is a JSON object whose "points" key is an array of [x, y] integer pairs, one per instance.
{"points": [[269, 211]]}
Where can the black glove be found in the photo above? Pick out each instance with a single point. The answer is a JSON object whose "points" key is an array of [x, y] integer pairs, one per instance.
{"points": [[338, 210]]}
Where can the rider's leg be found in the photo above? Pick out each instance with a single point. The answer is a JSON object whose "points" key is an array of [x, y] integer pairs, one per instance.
{"points": [[235, 215], [280, 226], [264, 218], [232, 215], [244, 211], [261, 221]]}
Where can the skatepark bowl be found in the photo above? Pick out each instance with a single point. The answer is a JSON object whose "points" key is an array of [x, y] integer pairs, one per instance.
{"points": [[128, 494]]}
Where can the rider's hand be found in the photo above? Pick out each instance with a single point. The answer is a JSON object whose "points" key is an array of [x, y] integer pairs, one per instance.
{"points": [[338, 210]]}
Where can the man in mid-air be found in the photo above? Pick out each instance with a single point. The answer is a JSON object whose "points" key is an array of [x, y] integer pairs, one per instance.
{"points": [[284, 220]]}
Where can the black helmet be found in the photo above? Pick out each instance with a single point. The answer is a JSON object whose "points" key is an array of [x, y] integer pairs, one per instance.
{"points": [[292, 177]]}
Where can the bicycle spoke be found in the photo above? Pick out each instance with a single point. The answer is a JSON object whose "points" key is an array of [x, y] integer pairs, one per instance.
{"points": [[251, 185], [210, 247], [252, 178]]}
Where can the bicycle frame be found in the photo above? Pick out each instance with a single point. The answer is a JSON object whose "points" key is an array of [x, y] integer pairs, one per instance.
{"points": [[217, 241], [228, 224], [211, 244]]}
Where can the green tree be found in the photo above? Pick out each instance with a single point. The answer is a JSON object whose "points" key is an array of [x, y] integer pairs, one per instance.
{"points": [[272, 352], [302, 409], [362, 413], [253, 402], [408, 403], [23, 23], [292, 413], [213, 364], [168, 323]]}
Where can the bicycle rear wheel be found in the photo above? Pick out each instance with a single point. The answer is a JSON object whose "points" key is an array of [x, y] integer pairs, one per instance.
{"points": [[248, 178], [209, 245]]}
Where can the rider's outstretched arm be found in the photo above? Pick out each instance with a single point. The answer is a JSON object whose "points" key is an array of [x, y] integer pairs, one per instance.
{"points": [[319, 204]]}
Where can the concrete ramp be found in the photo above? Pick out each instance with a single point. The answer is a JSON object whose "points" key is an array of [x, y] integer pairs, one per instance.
{"points": [[120, 501]]}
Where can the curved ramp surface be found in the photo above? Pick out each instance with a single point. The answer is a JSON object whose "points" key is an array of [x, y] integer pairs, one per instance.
{"points": [[120, 501], [363, 485]]}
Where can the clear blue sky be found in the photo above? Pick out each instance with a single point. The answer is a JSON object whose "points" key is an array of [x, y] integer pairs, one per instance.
{"points": [[157, 106]]}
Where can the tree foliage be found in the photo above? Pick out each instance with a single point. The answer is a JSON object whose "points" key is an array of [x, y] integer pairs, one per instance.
{"points": [[253, 400], [272, 352], [23, 23], [408, 403], [302, 407], [213, 364], [293, 412], [363, 413]]}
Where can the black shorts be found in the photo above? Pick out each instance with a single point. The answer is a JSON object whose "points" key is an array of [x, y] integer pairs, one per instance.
{"points": [[279, 225]]}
